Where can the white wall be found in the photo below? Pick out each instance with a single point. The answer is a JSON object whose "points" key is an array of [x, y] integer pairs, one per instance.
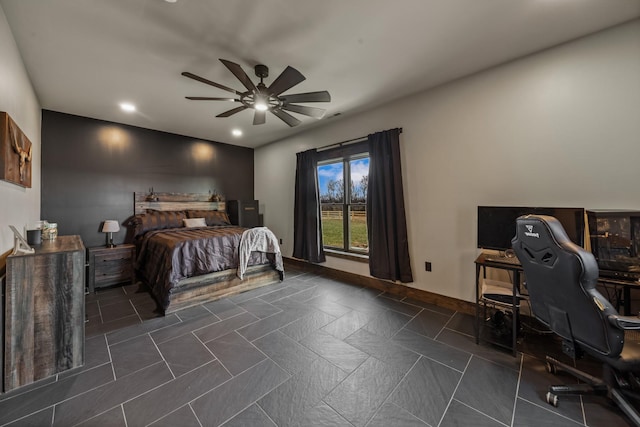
{"points": [[559, 128], [19, 206]]}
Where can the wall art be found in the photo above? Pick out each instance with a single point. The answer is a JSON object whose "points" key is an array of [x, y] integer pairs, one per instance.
{"points": [[15, 153]]}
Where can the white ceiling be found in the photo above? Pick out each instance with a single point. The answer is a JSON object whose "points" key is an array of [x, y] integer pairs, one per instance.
{"points": [[85, 57]]}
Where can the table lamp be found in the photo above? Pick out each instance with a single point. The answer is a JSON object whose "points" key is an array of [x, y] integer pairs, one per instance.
{"points": [[110, 226]]}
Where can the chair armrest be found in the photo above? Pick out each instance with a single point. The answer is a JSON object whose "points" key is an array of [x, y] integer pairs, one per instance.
{"points": [[625, 322]]}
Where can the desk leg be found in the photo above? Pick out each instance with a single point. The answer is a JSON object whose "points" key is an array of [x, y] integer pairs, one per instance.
{"points": [[477, 331], [627, 300], [515, 313]]}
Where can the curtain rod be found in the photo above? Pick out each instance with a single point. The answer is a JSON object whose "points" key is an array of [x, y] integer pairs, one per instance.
{"points": [[340, 144]]}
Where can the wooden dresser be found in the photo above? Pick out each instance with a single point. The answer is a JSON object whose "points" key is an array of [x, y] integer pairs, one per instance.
{"points": [[44, 312]]}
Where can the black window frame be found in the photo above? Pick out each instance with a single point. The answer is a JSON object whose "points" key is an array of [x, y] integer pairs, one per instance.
{"points": [[345, 154]]}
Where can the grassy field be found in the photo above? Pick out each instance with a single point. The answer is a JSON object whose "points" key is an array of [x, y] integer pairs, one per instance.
{"points": [[332, 232]]}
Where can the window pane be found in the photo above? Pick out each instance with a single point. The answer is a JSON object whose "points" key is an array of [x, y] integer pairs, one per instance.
{"points": [[332, 225], [359, 179], [331, 182], [358, 228], [343, 203]]}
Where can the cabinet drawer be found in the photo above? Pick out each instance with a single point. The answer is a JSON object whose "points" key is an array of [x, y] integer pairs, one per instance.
{"points": [[112, 256], [112, 267], [110, 273], [111, 279]]}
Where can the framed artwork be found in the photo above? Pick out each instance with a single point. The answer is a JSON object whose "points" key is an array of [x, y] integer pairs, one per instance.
{"points": [[15, 153]]}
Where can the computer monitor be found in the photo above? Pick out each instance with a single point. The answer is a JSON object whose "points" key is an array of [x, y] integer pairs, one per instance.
{"points": [[497, 224]]}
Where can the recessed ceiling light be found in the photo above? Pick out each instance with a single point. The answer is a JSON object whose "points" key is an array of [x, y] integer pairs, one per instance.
{"points": [[236, 132], [171, 1], [128, 107]]}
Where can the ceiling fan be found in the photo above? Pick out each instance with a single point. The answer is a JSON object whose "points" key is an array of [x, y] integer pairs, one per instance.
{"points": [[262, 98]]}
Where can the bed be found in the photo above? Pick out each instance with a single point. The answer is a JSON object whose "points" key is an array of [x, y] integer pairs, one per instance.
{"points": [[187, 252]]}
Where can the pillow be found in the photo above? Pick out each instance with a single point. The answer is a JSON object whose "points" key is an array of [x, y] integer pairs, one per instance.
{"points": [[210, 217], [157, 220], [194, 222]]}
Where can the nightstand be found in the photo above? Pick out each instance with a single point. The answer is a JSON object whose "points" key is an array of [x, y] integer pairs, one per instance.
{"points": [[111, 266]]}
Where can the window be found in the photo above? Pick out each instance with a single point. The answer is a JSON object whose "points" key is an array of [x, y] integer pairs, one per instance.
{"points": [[343, 185]]}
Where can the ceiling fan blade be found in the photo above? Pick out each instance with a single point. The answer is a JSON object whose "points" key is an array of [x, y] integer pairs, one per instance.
{"points": [[209, 82], [240, 74], [286, 80], [233, 111], [317, 113], [286, 117], [208, 98], [260, 117], [322, 96]]}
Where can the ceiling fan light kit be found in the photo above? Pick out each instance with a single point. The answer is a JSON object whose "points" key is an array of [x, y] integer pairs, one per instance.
{"points": [[261, 98]]}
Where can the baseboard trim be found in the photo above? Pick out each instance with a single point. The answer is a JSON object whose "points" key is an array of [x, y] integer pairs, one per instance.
{"points": [[385, 285]]}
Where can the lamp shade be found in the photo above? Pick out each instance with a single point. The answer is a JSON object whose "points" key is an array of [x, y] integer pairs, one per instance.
{"points": [[110, 226]]}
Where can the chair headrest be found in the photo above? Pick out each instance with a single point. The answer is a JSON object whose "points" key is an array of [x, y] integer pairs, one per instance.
{"points": [[540, 230]]}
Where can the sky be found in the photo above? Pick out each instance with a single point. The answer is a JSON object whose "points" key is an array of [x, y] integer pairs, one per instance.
{"points": [[334, 172]]}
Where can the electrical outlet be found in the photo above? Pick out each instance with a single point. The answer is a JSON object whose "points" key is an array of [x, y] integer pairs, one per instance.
{"points": [[427, 266], [280, 241]]}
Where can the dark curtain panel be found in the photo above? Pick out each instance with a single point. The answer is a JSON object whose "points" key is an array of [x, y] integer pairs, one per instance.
{"points": [[386, 222], [307, 234]]}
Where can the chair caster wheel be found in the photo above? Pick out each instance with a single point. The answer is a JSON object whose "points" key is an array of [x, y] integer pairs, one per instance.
{"points": [[552, 399], [551, 368]]}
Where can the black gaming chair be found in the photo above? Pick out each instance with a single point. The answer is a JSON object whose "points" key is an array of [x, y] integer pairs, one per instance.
{"points": [[561, 278]]}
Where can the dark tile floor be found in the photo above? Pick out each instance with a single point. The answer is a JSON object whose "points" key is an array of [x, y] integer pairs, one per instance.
{"points": [[309, 351]]}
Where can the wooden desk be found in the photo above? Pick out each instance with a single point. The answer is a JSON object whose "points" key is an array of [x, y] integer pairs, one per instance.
{"points": [[44, 312], [626, 286], [481, 264]]}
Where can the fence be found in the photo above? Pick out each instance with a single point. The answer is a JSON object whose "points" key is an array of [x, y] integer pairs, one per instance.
{"points": [[357, 215]]}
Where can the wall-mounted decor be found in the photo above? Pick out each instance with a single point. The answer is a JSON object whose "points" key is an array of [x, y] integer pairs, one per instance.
{"points": [[15, 153]]}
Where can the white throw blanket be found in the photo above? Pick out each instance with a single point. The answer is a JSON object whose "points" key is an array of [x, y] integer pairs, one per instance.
{"points": [[259, 239]]}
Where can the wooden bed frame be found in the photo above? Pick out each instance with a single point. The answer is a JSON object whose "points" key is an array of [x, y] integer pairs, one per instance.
{"points": [[208, 287]]}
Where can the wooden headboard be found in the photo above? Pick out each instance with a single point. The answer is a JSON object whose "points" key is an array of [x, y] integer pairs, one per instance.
{"points": [[175, 202]]}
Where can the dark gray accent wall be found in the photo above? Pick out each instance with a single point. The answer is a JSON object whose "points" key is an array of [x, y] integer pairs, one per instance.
{"points": [[91, 168]]}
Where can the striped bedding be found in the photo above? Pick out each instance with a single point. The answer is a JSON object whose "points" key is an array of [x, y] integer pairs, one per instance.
{"points": [[167, 256]]}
